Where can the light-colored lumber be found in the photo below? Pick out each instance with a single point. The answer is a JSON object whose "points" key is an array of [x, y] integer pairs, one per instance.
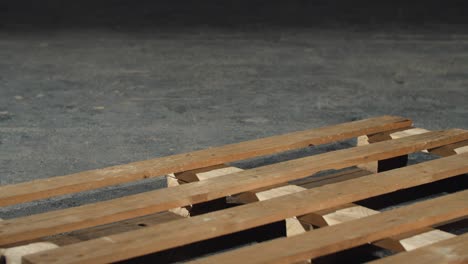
{"points": [[189, 230], [14, 255], [368, 166], [409, 242], [93, 179], [30, 227], [280, 191], [172, 181], [293, 226], [348, 212], [424, 239], [387, 135], [461, 150], [352, 212], [408, 132], [342, 214], [195, 176], [335, 238], [296, 226], [205, 173], [443, 151], [450, 251]]}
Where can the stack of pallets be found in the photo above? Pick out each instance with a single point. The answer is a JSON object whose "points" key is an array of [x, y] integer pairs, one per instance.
{"points": [[279, 213]]}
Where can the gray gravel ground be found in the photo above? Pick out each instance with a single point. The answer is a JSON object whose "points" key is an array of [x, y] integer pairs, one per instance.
{"points": [[87, 85]]}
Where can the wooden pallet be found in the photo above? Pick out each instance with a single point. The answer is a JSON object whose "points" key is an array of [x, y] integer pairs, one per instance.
{"points": [[300, 210]]}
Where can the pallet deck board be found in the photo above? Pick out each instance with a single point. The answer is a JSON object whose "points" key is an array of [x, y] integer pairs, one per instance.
{"points": [[50, 223], [210, 206], [346, 235], [450, 251], [113, 228], [93, 179], [157, 238], [331, 216]]}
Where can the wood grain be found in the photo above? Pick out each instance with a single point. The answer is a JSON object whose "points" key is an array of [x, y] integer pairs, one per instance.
{"points": [[93, 179], [186, 231], [50, 223], [450, 251], [348, 212], [347, 235]]}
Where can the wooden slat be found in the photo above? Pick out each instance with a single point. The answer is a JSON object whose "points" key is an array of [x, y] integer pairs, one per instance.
{"points": [[447, 150], [307, 183], [424, 239], [293, 226], [450, 251], [13, 254], [461, 150], [337, 215], [113, 228], [34, 226], [346, 235], [313, 182], [93, 179], [348, 212], [157, 238], [408, 132], [452, 149], [205, 173], [105, 230]]}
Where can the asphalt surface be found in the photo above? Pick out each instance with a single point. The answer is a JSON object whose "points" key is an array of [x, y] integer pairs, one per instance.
{"points": [[86, 85]]}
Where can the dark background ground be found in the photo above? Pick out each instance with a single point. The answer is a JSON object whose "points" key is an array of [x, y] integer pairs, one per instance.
{"points": [[89, 84]]}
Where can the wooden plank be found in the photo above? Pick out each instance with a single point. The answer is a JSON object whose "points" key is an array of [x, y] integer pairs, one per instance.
{"points": [[205, 173], [368, 166], [108, 229], [154, 239], [452, 149], [307, 183], [461, 150], [338, 215], [408, 132], [326, 217], [424, 239], [293, 226], [15, 254], [395, 162], [198, 175], [450, 251], [112, 229], [348, 212], [346, 235], [332, 178], [34, 226], [93, 179], [444, 151], [341, 213]]}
